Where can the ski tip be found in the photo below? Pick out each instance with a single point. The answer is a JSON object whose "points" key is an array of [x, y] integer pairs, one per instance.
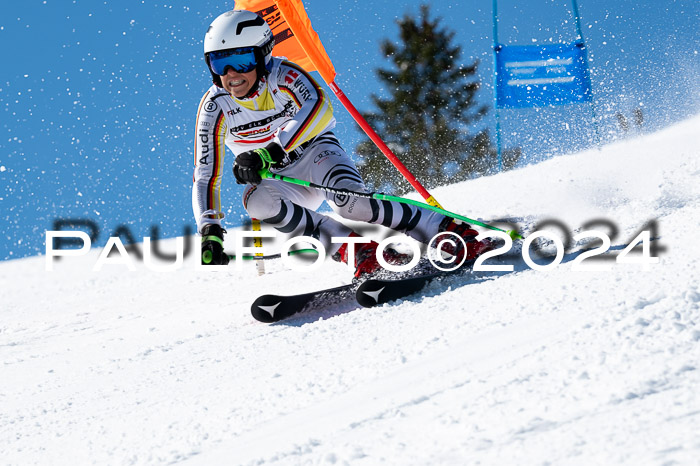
{"points": [[266, 309], [369, 293]]}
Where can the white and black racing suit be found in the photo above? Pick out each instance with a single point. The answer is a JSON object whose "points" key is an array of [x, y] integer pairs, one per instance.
{"points": [[291, 109]]}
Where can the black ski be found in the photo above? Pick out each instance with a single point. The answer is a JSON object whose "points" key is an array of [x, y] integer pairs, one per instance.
{"points": [[273, 308], [375, 291]]}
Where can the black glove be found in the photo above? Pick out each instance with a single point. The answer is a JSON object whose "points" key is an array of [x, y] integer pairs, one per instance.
{"points": [[213, 245], [249, 163]]}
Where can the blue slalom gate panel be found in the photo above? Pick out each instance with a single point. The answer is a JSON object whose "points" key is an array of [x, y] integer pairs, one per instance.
{"points": [[541, 75]]}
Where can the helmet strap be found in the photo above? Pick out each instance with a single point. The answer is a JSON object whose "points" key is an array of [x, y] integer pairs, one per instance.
{"points": [[255, 87]]}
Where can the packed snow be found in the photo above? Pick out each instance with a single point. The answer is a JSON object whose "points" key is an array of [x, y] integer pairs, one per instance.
{"points": [[528, 367]]}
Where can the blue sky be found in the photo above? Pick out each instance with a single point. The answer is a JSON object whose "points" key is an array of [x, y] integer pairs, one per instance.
{"points": [[98, 99]]}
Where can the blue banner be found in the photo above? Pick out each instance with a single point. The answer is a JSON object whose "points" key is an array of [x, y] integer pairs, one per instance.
{"points": [[541, 75]]}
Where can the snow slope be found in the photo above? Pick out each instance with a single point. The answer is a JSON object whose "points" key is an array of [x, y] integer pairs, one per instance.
{"points": [[531, 367]]}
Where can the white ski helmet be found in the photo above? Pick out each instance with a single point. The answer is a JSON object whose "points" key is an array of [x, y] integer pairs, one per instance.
{"points": [[239, 30]]}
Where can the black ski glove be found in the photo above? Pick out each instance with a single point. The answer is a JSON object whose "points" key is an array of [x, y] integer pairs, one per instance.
{"points": [[249, 163], [213, 245]]}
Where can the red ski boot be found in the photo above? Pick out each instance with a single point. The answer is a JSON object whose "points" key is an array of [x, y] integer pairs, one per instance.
{"points": [[466, 250], [366, 257]]}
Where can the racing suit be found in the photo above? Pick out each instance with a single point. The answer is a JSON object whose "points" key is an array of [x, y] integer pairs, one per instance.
{"points": [[291, 109]]}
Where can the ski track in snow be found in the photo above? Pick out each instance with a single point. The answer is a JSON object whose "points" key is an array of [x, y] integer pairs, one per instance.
{"points": [[530, 367]]}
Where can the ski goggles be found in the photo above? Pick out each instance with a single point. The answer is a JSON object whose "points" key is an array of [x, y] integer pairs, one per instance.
{"points": [[242, 60]]}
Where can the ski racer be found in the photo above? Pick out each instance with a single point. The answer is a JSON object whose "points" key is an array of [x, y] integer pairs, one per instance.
{"points": [[273, 115]]}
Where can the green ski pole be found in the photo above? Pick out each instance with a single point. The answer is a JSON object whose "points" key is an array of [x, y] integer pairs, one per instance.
{"points": [[207, 255], [385, 197], [267, 257]]}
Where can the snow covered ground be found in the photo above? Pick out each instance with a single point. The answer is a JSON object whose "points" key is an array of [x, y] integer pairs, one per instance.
{"points": [[531, 367]]}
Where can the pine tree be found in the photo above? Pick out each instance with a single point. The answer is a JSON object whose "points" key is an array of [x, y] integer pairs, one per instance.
{"points": [[430, 107]]}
